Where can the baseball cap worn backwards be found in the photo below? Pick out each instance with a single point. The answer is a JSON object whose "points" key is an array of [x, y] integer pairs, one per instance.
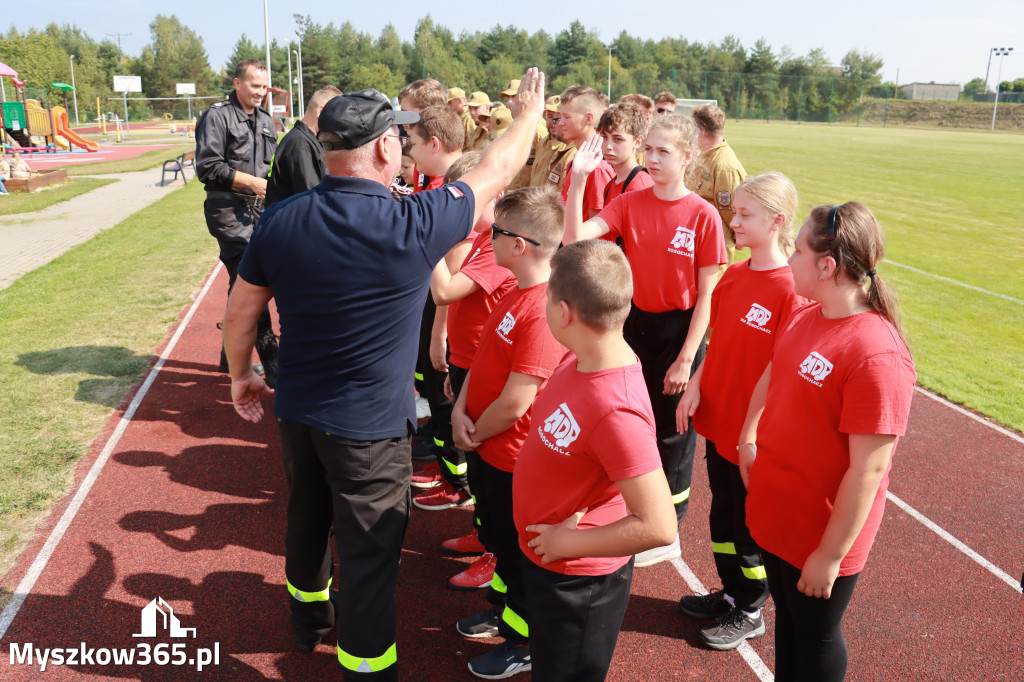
{"points": [[360, 117]]}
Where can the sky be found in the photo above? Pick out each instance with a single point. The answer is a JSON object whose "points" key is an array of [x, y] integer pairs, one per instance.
{"points": [[945, 41]]}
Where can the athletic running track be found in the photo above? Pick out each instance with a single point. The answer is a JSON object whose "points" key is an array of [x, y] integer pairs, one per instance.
{"points": [[182, 500]]}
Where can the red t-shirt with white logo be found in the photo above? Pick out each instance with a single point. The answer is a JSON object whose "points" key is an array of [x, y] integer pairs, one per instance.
{"points": [[666, 243], [593, 193], [748, 308], [516, 338], [466, 317], [641, 180], [830, 378], [591, 429]]}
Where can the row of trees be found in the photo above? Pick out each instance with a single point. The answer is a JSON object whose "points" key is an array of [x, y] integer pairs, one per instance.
{"points": [[742, 79]]}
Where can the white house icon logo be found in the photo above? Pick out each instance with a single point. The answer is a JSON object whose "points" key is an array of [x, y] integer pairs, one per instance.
{"points": [[506, 324], [562, 425], [816, 367], [758, 315], [170, 621], [683, 239]]}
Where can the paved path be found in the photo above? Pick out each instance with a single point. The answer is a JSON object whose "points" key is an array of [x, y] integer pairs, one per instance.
{"points": [[30, 240]]}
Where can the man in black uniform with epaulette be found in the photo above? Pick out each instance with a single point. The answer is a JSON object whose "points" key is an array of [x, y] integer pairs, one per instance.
{"points": [[235, 144]]}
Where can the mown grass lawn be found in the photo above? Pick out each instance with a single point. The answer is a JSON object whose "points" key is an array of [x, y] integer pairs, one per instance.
{"points": [[29, 202]]}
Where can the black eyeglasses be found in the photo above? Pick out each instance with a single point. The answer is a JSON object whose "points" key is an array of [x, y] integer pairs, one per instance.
{"points": [[495, 231]]}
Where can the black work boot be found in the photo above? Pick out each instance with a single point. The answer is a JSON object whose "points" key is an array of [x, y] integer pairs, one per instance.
{"points": [[266, 348]]}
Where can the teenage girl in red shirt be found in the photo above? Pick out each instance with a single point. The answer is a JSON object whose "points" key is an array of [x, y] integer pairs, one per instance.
{"points": [[673, 241], [823, 422], [750, 305]]}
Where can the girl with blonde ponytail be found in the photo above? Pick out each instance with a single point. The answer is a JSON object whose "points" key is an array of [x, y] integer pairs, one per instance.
{"points": [[749, 307], [817, 443]]}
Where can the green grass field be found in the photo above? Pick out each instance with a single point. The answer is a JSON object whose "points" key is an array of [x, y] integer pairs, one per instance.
{"points": [[948, 202], [21, 202]]}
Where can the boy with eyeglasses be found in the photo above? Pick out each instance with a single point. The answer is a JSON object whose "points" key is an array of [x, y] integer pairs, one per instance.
{"points": [[516, 355]]}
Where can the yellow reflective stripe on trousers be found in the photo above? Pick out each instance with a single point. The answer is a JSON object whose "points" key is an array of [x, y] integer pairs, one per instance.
{"points": [[299, 595], [498, 585], [438, 442], [368, 665], [755, 573], [457, 470], [417, 376], [515, 621], [681, 497], [723, 548]]}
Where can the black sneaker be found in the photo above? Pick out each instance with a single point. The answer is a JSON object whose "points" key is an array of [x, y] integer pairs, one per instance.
{"points": [[504, 660], [307, 641], [481, 625], [729, 631], [705, 606]]}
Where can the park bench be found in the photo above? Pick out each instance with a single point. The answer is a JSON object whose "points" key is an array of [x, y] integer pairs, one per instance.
{"points": [[178, 165]]}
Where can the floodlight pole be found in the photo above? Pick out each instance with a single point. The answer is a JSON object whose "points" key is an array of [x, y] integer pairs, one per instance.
{"points": [[610, 48], [989, 66], [1000, 52], [291, 111], [298, 32], [266, 39], [73, 90]]}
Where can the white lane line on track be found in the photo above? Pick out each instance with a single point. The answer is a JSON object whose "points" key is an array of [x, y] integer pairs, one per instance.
{"points": [[957, 282], [967, 551], [746, 651], [967, 413], [39, 564]]}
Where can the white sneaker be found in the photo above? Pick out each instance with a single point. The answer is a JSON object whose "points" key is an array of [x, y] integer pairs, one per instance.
{"points": [[658, 554]]}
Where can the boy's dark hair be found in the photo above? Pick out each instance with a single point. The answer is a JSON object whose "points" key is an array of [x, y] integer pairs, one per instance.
{"points": [[535, 212], [594, 278], [462, 165], [444, 124], [710, 119], [243, 66], [589, 99], [624, 117], [642, 101], [665, 96], [426, 92]]}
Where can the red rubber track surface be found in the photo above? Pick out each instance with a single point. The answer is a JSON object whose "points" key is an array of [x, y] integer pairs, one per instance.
{"points": [[68, 159], [190, 508]]}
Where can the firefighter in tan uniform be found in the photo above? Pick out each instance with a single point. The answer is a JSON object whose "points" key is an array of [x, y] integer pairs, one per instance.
{"points": [[553, 155], [458, 103], [720, 172], [522, 178], [479, 105]]}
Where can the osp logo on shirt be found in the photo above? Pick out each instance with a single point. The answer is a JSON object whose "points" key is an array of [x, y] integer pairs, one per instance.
{"points": [[815, 368], [563, 428], [505, 327], [758, 317], [682, 242]]}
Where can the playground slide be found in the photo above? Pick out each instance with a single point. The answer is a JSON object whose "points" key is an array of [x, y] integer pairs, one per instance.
{"points": [[76, 139], [60, 118]]}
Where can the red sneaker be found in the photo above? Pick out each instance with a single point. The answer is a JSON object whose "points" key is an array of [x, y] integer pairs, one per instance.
{"points": [[467, 544], [429, 476], [443, 496], [477, 577]]}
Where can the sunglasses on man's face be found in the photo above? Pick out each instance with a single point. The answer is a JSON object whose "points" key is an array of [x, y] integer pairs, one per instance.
{"points": [[495, 231]]}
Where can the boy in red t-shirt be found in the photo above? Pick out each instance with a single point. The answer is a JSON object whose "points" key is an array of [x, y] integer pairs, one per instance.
{"points": [[580, 109], [588, 489], [470, 283], [622, 128], [516, 355], [435, 143]]}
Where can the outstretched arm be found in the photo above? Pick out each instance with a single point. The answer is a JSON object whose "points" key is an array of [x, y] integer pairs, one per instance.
{"points": [[587, 158]]}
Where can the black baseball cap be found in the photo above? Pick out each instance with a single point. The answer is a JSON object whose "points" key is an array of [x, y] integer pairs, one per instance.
{"points": [[361, 117]]}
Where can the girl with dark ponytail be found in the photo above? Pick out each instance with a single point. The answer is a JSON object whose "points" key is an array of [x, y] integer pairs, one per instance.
{"points": [[816, 446]]}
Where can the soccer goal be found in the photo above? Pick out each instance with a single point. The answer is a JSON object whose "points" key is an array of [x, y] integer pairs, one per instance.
{"points": [[685, 107]]}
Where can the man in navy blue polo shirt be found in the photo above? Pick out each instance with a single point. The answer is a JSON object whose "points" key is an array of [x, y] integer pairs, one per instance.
{"points": [[349, 268]]}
